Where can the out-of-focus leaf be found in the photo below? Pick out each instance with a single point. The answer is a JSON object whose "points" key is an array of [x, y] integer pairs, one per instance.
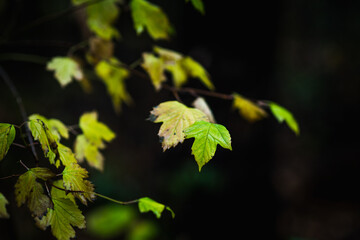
{"points": [[282, 114], [155, 67], [86, 150], [149, 16], [62, 218], [7, 136], [198, 5], [249, 110], [175, 118], [114, 78], [144, 230], [207, 136], [3, 202], [202, 105], [65, 69], [109, 221], [195, 70], [147, 204], [100, 49]]}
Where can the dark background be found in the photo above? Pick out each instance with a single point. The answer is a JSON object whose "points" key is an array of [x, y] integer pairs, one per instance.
{"points": [[273, 185]]}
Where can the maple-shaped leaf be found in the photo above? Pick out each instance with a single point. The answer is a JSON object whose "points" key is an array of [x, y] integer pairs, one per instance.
{"points": [[27, 189], [7, 136], [57, 128], [74, 179], [57, 192], [86, 150], [147, 204], [3, 202], [175, 118], [48, 142], [155, 67], [66, 156], [114, 78], [248, 109], [149, 16], [66, 69], [207, 136], [62, 218], [282, 114], [96, 132]]}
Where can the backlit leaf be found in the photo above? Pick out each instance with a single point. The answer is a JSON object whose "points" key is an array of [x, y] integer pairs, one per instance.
{"points": [[202, 105], [195, 70], [86, 150], [7, 136], [114, 78], [248, 109], [74, 179], [198, 5], [96, 132], [149, 16], [3, 202], [66, 156], [155, 67], [175, 118], [66, 69], [207, 136], [282, 114], [147, 204], [57, 128], [62, 218]]}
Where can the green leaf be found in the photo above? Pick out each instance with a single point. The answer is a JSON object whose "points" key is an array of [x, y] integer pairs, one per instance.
{"points": [[27, 189], [66, 69], [195, 70], [155, 68], [114, 78], [62, 219], [282, 114], [207, 135], [3, 202], [198, 5], [175, 118], [96, 132], [56, 191], [86, 150], [74, 179], [249, 110], [7, 136], [147, 204], [149, 16], [66, 156], [56, 127]]}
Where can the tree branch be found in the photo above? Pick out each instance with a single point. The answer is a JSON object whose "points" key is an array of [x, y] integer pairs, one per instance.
{"points": [[23, 113]]}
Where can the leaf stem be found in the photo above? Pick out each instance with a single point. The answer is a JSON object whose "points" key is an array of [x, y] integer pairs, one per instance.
{"points": [[116, 201]]}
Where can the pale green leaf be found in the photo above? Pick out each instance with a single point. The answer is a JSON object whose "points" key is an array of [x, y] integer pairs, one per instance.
{"points": [[195, 70], [56, 191], [66, 156], [74, 179], [62, 219], [3, 202], [96, 132], [155, 68], [149, 16], [248, 109], [198, 5], [207, 136], [114, 76], [147, 204], [56, 127], [282, 114], [86, 150], [175, 118], [7, 136], [66, 69]]}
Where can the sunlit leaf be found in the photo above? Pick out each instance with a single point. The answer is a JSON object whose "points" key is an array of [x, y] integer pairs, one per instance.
{"points": [[3, 202], [86, 150], [248, 109], [66, 156], [7, 136], [57, 192], [147, 204], [195, 70], [198, 5], [114, 76], [62, 218], [27, 189], [74, 179], [155, 68], [149, 16], [282, 114], [96, 132], [66, 69], [175, 118], [57, 128], [207, 136]]}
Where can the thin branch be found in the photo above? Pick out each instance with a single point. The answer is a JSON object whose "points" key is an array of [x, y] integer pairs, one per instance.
{"points": [[24, 165], [23, 113], [19, 145], [13, 175]]}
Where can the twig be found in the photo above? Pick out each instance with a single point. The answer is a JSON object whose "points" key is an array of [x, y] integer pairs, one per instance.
{"points": [[24, 165], [23, 113], [13, 175]]}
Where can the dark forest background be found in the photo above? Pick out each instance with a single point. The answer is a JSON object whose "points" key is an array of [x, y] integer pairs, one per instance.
{"points": [[303, 55]]}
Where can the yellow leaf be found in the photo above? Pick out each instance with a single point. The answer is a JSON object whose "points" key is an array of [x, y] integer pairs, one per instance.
{"points": [[249, 110], [3, 202], [175, 117], [155, 67], [85, 149]]}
